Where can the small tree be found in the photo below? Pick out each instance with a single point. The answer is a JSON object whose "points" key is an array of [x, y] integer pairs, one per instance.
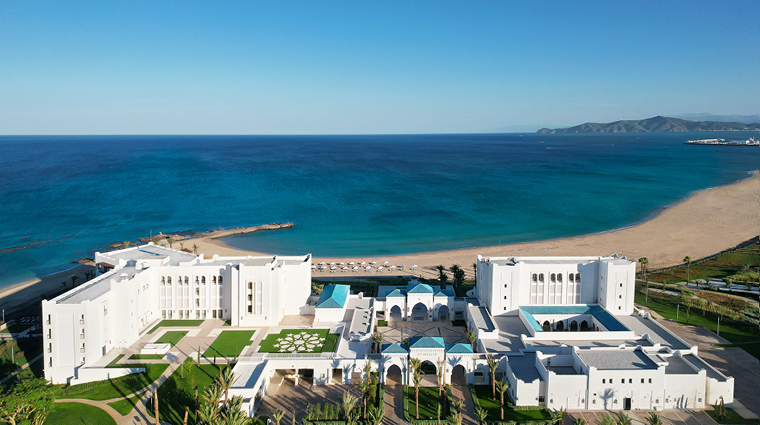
{"points": [[225, 381], [195, 248], [376, 414], [687, 260], [579, 421], [482, 415], [644, 261], [349, 404], [559, 416], [492, 365], [170, 240], [623, 419], [654, 419], [502, 387], [417, 379], [441, 376], [27, 402], [126, 244], [606, 420], [471, 338], [377, 338], [277, 415]]}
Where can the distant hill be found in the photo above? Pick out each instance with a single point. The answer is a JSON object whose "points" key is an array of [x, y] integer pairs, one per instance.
{"points": [[746, 119], [654, 124]]}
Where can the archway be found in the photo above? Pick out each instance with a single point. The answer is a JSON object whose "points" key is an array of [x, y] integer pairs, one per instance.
{"points": [[394, 376], [547, 326], [573, 326], [459, 375], [395, 313], [560, 326], [443, 313], [419, 312], [428, 368], [584, 326]]}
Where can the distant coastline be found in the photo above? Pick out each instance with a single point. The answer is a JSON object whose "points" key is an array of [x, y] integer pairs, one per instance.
{"points": [[654, 124]]}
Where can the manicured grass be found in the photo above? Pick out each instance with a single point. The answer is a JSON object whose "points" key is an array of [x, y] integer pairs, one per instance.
{"points": [[178, 392], [724, 265], [119, 387], [176, 323], [172, 337], [114, 361], [732, 331], [731, 418], [382, 323], [229, 344], [126, 405], [78, 414], [484, 395], [428, 402], [10, 360], [146, 357], [328, 346]]}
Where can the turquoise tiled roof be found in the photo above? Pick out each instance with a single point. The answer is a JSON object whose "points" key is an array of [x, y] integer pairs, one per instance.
{"points": [[444, 293], [419, 288], [333, 296], [600, 314], [459, 349], [397, 293], [426, 342], [395, 349]]}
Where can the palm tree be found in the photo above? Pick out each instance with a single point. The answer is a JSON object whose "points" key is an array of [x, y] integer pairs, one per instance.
{"points": [[458, 273], [502, 387], [277, 415], [415, 364], [455, 419], [482, 415], [378, 338], [471, 337], [492, 365], [73, 278], [687, 260], [376, 414], [440, 269], [605, 420], [654, 419], [441, 376], [579, 421], [644, 261], [225, 381], [195, 248], [623, 419], [475, 271], [417, 379], [155, 406], [181, 246], [366, 387], [559, 416], [64, 283], [349, 403], [170, 240], [126, 244]]}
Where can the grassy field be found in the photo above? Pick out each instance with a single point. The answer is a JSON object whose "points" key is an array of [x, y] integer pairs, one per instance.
{"points": [[428, 402], [114, 388], [172, 337], [178, 392], [146, 357], [78, 414], [126, 405], [722, 266], [731, 418], [11, 359], [176, 323], [744, 335], [484, 394], [229, 344], [287, 335]]}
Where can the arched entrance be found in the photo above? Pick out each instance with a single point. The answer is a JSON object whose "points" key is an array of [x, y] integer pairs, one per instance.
{"points": [[573, 326], [443, 313], [394, 376], [429, 373], [560, 326], [547, 327], [395, 313], [419, 312], [459, 375], [584, 326]]}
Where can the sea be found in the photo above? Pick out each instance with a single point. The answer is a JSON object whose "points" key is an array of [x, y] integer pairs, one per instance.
{"points": [[65, 197]]}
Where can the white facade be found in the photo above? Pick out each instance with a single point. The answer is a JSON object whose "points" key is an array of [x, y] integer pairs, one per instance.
{"points": [[141, 285]]}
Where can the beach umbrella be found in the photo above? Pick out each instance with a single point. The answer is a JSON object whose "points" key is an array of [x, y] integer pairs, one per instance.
{"points": [[351, 263], [341, 263], [379, 268], [333, 268], [322, 263], [367, 268], [373, 262], [363, 263], [332, 264], [385, 262]]}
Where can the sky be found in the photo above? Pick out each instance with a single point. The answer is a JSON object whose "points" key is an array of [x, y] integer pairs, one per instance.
{"points": [[369, 67]]}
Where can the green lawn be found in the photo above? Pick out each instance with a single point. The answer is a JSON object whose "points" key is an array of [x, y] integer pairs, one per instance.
{"points": [[382, 323], [484, 395], [126, 405], [14, 357], [172, 337], [146, 357], [428, 402], [119, 387], [178, 392], [114, 361], [736, 333], [292, 337], [724, 265], [176, 323], [78, 414], [229, 344], [731, 418]]}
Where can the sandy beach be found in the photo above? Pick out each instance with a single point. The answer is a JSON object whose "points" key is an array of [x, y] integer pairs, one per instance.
{"points": [[707, 222], [703, 224]]}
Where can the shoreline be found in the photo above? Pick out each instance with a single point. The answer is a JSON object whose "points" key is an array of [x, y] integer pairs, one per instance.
{"points": [[703, 223]]}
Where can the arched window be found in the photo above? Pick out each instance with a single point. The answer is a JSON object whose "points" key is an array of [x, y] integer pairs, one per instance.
{"points": [[169, 280], [535, 277], [196, 280], [163, 281], [553, 277], [540, 277], [203, 280], [570, 277], [221, 280], [187, 281], [213, 280], [559, 277], [578, 277]]}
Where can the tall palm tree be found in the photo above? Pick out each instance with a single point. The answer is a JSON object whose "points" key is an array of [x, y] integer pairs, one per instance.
{"points": [[155, 406], [482, 415], [277, 415], [378, 338], [417, 379], [195, 248], [415, 364], [170, 240], [644, 261], [687, 260], [73, 278], [440, 269], [492, 365], [441, 375], [471, 337], [349, 403], [225, 381], [502, 387], [456, 271], [475, 271], [366, 387]]}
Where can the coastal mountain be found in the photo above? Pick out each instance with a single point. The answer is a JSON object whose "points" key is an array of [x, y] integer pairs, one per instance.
{"points": [[746, 119], [654, 124]]}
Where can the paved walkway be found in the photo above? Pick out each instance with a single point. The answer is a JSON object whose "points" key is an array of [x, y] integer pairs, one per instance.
{"points": [[394, 405], [21, 368]]}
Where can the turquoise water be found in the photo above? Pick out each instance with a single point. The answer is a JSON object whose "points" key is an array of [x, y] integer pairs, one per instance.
{"points": [[347, 195]]}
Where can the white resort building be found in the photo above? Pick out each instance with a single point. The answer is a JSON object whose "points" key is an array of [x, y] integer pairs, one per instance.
{"points": [[563, 330]]}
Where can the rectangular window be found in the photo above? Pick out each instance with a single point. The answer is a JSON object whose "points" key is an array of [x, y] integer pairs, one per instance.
{"points": [[650, 380], [622, 381], [630, 380], [642, 380], [258, 299], [604, 381]]}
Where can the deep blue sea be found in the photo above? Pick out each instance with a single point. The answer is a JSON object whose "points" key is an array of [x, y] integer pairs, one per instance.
{"points": [[347, 195]]}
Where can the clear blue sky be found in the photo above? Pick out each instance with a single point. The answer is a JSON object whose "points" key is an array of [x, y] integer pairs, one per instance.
{"points": [[319, 67]]}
